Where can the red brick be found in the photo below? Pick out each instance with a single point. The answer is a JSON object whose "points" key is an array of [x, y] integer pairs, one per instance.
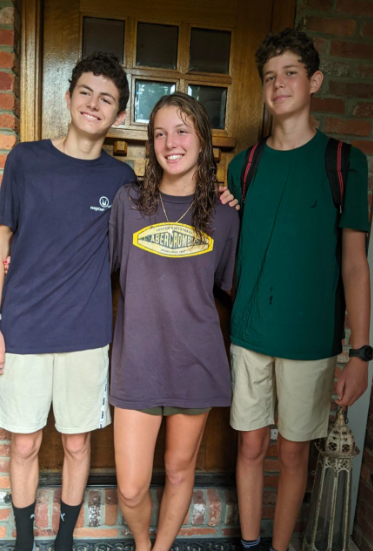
{"points": [[199, 508], [272, 450], [271, 465], [351, 89], [366, 146], [7, 101], [95, 532], [231, 532], [4, 514], [367, 30], [2, 532], [94, 508], [6, 37], [268, 511], [4, 450], [9, 121], [319, 5], [4, 482], [4, 465], [43, 532], [1, 178], [269, 497], [365, 71], [334, 68], [197, 531], [271, 481], [353, 127], [231, 508], [214, 507], [363, 110], [356, 7], [4, 434], [7, 60], [329, 25], [314, 121], [370, 183], [7, 16], [7, 141], [357, 50], [328, 105], [321, 45], [111, 507], [6, 81], [42, 509]]}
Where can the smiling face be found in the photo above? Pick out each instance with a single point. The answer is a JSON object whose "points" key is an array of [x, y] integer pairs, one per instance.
{"points": [[94, 105], [287, 89], [176, 144]]}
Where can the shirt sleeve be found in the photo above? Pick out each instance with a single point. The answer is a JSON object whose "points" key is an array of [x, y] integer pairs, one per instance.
{"points": [[116, 229], [10, 193], [225, 269], [355, 208], [234, 175]]}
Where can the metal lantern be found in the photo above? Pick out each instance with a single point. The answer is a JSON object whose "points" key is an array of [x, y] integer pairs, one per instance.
{"points": [[328, 521]]}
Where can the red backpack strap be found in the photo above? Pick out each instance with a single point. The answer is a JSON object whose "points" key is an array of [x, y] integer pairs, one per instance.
{"points": [[337, 163], [250, 166]]}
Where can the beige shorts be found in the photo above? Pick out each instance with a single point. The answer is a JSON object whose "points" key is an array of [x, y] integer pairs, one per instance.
{"points": [[75, 382], [302, 390]]}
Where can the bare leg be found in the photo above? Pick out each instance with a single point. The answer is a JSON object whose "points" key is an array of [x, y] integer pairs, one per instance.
{"points": [[183, 438], [135, 435], [77, 448], [24, 467], [252, 448], [293, 479]]}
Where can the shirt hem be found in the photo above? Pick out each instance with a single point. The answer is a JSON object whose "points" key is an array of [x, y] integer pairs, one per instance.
{"points": [[273, 353], [124, 404], [58, 349]]}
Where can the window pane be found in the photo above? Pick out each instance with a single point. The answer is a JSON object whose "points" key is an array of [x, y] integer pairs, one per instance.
{"points": [[214, 100], [210, 51], [147, 94], [157, 46], [103, 35]]}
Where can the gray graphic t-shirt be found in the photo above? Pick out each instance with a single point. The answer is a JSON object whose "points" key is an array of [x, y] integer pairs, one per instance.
{"points": [[168, 347]]}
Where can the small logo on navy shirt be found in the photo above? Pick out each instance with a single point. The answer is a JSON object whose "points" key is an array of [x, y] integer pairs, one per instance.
{"points": [[104, 204]]}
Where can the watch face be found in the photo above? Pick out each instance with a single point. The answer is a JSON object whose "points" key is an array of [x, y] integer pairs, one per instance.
{"points": [[368, 353]]}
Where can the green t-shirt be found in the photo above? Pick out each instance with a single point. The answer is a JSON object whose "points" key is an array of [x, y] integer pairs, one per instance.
{"points": [[289, 300]]}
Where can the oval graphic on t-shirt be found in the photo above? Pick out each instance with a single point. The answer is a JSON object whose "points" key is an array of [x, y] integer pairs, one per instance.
{"points": [[172, 240]]}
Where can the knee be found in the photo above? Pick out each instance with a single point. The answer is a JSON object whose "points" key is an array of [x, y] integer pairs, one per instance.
{"points": [[176, 471], [131, 494], [76, 445], [26, 446], [294, 456], [253, 445]]}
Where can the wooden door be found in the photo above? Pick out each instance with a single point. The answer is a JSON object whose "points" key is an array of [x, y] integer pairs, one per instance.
{"points": [[201, 47]]}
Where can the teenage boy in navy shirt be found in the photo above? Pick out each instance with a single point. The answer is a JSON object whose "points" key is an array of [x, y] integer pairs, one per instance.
{"points": [[287, 320]]}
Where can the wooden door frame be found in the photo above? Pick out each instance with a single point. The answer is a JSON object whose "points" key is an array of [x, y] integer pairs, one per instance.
{"points": [[283, 15]]}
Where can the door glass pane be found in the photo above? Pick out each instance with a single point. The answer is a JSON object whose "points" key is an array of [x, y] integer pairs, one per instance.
{"points": [[210, 51], [214, 100], [157, 46], [147, 93], [103, 35]]}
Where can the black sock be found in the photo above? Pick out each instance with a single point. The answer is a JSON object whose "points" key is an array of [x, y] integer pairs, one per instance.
{"points": [[69, 516], [24, 517], [251, 545]]}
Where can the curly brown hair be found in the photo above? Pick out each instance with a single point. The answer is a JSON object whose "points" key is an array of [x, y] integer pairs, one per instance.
{"points": [[288, 40], [206, 190], [106, 65]]}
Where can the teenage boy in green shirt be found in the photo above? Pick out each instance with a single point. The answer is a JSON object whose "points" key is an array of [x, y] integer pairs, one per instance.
{"points": [[287, 320]]}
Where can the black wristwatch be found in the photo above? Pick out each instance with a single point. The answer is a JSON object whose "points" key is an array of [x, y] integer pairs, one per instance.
{"points": [[365, 353]]}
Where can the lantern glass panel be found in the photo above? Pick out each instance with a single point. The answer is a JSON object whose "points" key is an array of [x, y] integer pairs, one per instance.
{"points": [[325, 513], [315, 493], [341, 508]]}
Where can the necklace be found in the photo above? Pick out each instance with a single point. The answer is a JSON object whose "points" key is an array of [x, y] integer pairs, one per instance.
{"points": [[181, 217]]}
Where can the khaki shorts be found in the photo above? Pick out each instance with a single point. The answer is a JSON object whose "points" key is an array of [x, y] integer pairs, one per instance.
{"points": [[302, 389], [75, 382]]}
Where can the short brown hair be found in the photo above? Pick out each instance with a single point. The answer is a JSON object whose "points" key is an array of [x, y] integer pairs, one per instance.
{"points": [[288, 40]]}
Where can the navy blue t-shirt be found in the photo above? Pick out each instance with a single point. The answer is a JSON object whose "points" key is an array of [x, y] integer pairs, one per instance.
{"points": [[57, 294]]}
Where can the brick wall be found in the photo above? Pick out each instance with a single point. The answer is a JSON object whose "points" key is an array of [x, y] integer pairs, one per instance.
{"points": [[343, 31], [10, 28]]}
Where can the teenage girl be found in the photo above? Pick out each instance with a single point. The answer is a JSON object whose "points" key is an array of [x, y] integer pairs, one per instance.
{"points": [[172, 241]]}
